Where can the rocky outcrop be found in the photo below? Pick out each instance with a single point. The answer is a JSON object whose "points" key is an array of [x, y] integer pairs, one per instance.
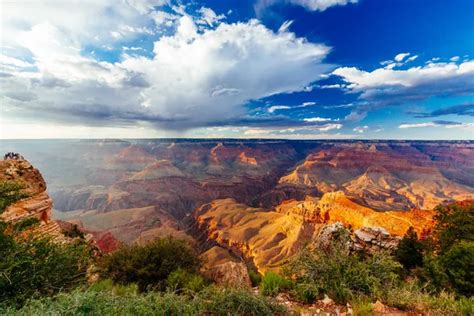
{"points": [[223, 268], [367, 239], [36, 205]]}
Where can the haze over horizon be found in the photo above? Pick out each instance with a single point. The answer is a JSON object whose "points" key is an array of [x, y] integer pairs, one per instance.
{"points": [[288, 69]]}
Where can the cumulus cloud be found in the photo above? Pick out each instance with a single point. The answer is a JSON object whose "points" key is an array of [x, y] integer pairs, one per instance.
{"points": [[195, 78], [392, 86]]}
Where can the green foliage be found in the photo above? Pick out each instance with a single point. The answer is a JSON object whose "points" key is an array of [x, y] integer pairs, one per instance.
{"points": [[341, 275], [150, 265], [306, 293], [410, 250], [449, 264], [458, 262], [26, 223], [182, 280], [410, 296], [272, 284], [255, 277], [74, 232], [106, 300], [230, 301], [454, 223], [34, 268], [10, 192]]}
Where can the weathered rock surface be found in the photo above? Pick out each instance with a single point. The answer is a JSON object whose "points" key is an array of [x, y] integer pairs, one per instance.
{"points": [[37, 205], [224, 268]]}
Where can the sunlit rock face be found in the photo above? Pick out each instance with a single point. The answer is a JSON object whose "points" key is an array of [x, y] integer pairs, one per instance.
{"points": [[268, 238], [261, 199], [36, 205]]}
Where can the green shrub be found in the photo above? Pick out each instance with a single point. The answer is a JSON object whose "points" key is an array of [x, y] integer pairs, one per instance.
{"points": [[180, 280], [10, 192], [74, 232], [454, 223], [458, 262], [34, 268], [341, 275], [26, 223], [150, 265], [410, 296], [272, 284], [105, 300], [306, 293], [255, 277], [230, 301], [410, 250]]}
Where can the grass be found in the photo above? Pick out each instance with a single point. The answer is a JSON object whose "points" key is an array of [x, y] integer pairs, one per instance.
{"points": [[104, 298]]}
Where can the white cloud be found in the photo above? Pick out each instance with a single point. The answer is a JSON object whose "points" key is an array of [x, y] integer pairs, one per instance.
{"points": [[194, 79], [444, 76], [360, 129], [329, 127], [455, 58], [285, 26], [316, 119], [274, 108], [310, 5], [412, 58], [321, 5], [401, 56], [209, 16], [465, 126]]}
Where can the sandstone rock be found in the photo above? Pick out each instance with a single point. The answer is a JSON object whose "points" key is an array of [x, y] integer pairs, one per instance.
{"points": [[230, 273], [378, 307], [373, 239]]}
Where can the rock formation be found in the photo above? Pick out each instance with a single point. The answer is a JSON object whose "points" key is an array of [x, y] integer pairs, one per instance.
{"points": [[36, 205]]}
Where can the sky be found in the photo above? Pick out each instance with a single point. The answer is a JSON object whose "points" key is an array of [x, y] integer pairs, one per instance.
{"points": [[300, 69]]}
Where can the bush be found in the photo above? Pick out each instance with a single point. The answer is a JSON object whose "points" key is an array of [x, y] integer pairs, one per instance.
{"points": [[272, 284], [341, 275], [454, 223], [449, 264], [10, 192], [410, 296], [182, 280], [24, 224], [230, 301], [306, 293], [255, 277], [150, 265], [34, 268], [104, 299], [458, 263], [410, 250]]}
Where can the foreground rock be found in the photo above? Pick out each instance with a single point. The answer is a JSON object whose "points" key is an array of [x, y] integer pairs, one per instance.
{"points": [[38, 204]]}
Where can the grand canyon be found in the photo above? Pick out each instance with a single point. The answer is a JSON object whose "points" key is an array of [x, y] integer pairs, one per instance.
{"points": [[256, 202]]}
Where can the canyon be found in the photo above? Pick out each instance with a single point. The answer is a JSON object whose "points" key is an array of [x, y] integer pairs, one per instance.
{"points": [[256, 201]]}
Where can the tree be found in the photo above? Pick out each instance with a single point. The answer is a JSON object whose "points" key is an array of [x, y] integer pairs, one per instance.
{"points": [[410, 250], [454, 223]]}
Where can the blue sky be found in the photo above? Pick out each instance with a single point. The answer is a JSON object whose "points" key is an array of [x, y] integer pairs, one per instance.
{"points": [[263, 68]]}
